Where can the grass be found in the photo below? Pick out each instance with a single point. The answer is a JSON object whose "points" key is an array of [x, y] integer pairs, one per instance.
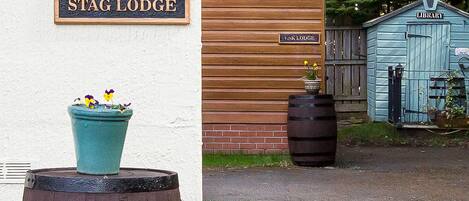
{"points": [[245, 161], [368, 134], [381, 134]]}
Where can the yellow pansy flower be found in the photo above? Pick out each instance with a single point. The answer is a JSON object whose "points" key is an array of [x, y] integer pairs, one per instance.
{"points": [[89, 101], [108, 94], [315, 66]]}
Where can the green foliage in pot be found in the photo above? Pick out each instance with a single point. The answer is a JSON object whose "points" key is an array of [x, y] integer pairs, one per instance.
{"points": [[312, 71]]}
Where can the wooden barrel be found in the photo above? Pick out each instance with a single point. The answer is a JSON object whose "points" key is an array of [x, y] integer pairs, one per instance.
{"points": [[65, 184], [312, 130]]}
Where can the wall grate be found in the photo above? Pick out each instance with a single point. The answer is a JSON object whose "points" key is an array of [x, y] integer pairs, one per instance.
{"points": [[13, 172]]}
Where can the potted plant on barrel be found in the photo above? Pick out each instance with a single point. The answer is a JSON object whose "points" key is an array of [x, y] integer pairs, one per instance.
{"points": [[99, 132], [311, 80]]}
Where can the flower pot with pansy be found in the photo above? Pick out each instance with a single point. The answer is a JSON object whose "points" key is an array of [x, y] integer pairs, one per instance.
{"points": [[311, 80], [99, 131]]}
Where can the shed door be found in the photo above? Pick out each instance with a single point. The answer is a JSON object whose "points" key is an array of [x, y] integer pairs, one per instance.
{"points": [[427, 56]]}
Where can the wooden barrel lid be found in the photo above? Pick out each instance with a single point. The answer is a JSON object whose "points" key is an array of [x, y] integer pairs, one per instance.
{"points": [[129, 180]]}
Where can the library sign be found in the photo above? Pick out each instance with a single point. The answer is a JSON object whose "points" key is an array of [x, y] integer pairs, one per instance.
{"points": [[429, 15], [122, 11]]}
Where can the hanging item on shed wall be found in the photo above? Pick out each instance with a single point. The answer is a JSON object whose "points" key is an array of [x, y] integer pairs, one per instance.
{"points": [[461, 52]]}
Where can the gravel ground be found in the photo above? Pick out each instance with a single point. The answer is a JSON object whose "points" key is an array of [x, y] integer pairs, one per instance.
{"points": [[361, 174]]}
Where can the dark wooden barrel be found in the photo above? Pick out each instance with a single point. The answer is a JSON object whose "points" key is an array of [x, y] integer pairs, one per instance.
{"points": [[131, 184], [312, 130]]}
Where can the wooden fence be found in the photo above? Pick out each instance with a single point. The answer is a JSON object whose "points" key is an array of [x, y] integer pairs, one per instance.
{"points": [[346, 76]]}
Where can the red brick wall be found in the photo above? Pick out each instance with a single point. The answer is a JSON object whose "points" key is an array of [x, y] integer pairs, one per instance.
{"points": [[245, 138]]}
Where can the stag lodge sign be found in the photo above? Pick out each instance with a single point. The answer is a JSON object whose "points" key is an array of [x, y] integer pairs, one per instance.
{"points": [[299, 38], [122, 11]]}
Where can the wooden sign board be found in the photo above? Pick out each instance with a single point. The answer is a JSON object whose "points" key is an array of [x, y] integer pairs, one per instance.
{"points": [[122, 12], [300, 38], [429, 15]]}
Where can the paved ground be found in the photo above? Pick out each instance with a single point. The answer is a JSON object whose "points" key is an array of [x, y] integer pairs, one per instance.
{"points": [[361, 174]]}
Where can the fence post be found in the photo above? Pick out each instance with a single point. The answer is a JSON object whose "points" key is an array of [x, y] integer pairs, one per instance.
{"points": [[397, 94], [390, 93]]}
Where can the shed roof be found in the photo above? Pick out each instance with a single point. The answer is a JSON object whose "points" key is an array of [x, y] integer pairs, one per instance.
{"points": [[409, 7]]}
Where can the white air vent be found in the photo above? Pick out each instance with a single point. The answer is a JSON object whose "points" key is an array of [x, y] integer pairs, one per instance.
{"points": [[13, 172]]}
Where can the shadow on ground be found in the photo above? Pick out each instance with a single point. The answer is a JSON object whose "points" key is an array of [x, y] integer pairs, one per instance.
{"points": [[361, 174]]}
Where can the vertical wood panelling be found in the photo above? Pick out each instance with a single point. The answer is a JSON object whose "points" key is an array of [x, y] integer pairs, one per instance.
{"points": [[346, 76], [247, 75], [421, 41], [371, 41]]}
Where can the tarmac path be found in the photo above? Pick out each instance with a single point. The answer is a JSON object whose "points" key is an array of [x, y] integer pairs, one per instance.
{"points": [[360, 174]]}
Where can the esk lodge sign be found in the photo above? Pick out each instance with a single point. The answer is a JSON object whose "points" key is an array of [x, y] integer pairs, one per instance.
{"points": [[122, 12]]}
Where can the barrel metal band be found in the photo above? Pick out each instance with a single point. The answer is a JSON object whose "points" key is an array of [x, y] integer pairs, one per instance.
{"points": [[101, 184], [312, 118], [303, 97], [313, 138], [310, 105], [312, 154], [29, 180]]}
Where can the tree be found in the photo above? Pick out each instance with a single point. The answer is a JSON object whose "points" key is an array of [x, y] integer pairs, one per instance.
{"points": [[461, 4], [355, 12]]}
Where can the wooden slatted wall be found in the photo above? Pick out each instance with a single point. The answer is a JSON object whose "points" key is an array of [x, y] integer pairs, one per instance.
{"points": [[247, 75], [346, 54]]}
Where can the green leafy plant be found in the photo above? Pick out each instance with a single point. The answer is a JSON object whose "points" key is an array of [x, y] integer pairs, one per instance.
{"points": [[449, 109], [312, 71], [452, 108]]}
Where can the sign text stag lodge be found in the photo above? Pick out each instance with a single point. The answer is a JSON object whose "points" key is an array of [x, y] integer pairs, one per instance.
{"points": [[122, 11]]}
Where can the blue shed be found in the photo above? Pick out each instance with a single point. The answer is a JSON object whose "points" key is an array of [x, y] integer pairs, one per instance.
{"points": [[427, 38]]}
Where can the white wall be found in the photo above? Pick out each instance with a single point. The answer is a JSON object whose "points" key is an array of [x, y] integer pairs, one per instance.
{"points": [[43, 67]]}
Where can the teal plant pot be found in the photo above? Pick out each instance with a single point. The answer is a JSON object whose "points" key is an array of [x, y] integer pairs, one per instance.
{"points": [[99, 136]]}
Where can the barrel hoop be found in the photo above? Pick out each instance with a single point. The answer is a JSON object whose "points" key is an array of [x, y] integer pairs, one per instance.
{"points": [[309, 97], [312, 118], [324, 138], [311, 105], [166, 180], [312, 154]]}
